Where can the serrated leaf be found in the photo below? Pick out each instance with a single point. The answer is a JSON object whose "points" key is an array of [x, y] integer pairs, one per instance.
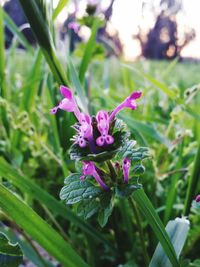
{"points": [[10, 255], [87, 208], [104, 214], [76, 190]]}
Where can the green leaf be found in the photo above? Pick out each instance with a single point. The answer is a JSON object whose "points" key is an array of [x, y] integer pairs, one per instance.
{"points": [[105, 213], [36, 192], [153, 219], [10, 254], [138, 170], [76, 190], [88, 207], [125, 190], [61, 4], [177, 230], [38, 229]]}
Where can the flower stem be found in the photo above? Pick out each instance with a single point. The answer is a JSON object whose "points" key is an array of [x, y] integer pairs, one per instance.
{"points": [[113, 174], [141, 233]]}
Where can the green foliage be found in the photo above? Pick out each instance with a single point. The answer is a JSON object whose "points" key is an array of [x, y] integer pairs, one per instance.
{"points": [[10, 254]]}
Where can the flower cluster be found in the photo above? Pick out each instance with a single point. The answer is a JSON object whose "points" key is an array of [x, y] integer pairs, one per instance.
{"points": [[96, 134]]}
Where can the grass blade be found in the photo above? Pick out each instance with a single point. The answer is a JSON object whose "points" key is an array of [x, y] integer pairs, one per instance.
{"points": [[153, 219], [177, 230], [171, 94], [59, 8], [38, 229], [146, 129]]}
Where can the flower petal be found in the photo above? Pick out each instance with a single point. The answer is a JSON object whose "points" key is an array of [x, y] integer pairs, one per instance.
{"points": [[66, 92]]}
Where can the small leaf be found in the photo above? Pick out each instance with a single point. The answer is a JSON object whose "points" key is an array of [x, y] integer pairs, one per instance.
{"points": [[87, 208], [125, 190], [138, 170], [10, 255], [76, 190], [104, 214]]}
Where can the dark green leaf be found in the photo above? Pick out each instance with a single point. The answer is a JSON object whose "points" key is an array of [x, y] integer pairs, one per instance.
{"points": [[76, 190], [10, 254]]}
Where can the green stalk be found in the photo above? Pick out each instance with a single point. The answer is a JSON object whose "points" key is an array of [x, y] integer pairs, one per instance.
{"points": [[42, 34], [193, 182], [140, 229], [153, 219], [113, 174]]}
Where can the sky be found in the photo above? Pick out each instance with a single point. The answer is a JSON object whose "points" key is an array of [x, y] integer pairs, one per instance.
{"points": [[127, 16]]}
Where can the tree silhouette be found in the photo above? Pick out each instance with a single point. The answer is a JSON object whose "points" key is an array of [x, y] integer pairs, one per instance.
{"points": [[162, 42]]}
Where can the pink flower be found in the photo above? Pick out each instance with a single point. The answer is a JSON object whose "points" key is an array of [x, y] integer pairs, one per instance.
{"points": [[68, 103], [103, 127], [197, 198], [129, 102], [126, 164], [74, 26], [84, 130], [90, 169]]}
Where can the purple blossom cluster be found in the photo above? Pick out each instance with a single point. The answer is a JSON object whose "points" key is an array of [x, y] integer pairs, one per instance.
{"points": [[84, 129]]}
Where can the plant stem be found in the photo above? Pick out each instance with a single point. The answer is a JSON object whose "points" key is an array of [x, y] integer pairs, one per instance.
{"points": [[113, 174], [194, 178], [140, 229]]}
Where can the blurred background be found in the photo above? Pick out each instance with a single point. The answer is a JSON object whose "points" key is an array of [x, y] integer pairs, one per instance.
{"points": [[154, 29]]}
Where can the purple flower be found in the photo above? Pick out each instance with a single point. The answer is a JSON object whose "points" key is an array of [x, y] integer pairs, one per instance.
{"points": [[68, 103], [129, 102], [126, 164], [84, 130], [197, 198], [74, 26], [103, 127], [90, 169]]}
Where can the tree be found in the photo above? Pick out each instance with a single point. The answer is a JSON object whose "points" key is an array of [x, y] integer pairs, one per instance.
{"points": [[162, 42]]}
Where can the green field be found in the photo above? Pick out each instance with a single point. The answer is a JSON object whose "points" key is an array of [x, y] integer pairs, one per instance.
{"points": [[35, 160]]}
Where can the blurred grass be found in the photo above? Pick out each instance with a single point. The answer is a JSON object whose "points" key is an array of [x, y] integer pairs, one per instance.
{"points": [[37, 143]]}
